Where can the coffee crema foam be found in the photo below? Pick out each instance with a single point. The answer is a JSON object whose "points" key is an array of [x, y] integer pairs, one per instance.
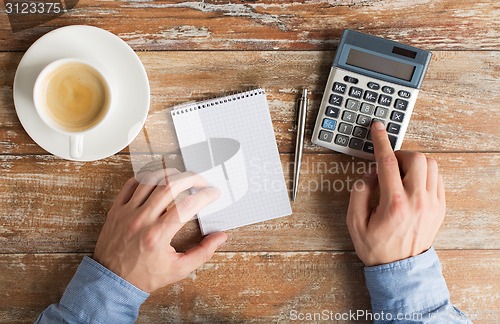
{"points": [[76, 96]]}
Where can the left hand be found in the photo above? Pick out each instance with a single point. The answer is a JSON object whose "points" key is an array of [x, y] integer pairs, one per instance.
{"points": [[135, 240]]}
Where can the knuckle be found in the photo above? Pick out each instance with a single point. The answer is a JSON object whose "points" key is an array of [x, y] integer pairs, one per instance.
{"points": [[397, 204], [388, 160], [419, 157], [151, 239], [421, 204], [358, 186], [134, 225], [186, 204]]}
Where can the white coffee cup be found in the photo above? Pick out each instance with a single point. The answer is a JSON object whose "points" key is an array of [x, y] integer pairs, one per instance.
{"points": [[73, 97]]}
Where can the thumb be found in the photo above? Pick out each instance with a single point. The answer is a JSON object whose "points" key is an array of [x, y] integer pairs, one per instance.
{"points": [[201, 253], [359, 211]]}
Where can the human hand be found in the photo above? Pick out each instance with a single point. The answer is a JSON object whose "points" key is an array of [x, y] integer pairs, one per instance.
{"points": [[411, 207], [135, 240]]}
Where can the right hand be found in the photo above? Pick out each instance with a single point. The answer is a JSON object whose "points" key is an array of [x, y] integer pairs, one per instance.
{"points": [[411, 208], [135, 240]]}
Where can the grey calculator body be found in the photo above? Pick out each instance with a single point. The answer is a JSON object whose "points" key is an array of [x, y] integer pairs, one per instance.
{"points": [[371, 78]]}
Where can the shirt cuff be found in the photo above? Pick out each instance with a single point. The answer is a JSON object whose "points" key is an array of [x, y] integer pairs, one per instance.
{"points": [[407, 286], [97, 295]]}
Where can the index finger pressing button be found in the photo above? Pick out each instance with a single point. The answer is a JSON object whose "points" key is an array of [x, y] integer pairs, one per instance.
{"points": [[387, 163]]}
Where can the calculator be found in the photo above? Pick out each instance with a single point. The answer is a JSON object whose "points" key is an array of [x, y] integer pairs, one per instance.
{"points": [[371, 79]]}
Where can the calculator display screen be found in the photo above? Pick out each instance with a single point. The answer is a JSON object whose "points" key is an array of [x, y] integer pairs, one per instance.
{"points": [[380, 64]]}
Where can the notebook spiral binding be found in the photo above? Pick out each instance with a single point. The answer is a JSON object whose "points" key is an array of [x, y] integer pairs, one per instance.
{"points": [[181, 109]]}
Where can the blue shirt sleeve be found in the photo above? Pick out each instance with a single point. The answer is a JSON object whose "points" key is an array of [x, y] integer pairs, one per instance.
{"points": [[411, 290], [96, 295]]}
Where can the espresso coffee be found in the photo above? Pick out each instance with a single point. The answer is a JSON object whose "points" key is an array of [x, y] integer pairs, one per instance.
{"points": [[76, 96]]}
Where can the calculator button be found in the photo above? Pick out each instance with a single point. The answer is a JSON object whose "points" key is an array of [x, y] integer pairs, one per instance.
{"points": [[388, 90], [404, 94], [397, 116], [401, 104], [332, 112], [345, 128], [356, 144], [393, 140], [381, 112], [368, 147], [363, 120], [350, 79], [393, 128], [349, 116], [325, 136], [352, 104], [356, 92], [336, 100], [366, 108], [370, 96], [341, 140], [369, 136], [384, 100], [373, 85], [360, 132], [329, 123], [379, 120], [339, 87]]}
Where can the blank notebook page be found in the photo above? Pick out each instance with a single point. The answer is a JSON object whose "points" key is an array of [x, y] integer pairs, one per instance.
{"points": [[230, 142]]}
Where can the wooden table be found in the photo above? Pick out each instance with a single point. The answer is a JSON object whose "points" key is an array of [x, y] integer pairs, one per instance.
{"points": [[51, 210]]}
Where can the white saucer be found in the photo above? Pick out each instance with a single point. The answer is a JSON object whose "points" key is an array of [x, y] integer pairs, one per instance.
{"points": [[128, 76]]}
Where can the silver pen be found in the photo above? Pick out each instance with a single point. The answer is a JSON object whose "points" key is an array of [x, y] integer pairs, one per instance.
{"points": [[299, 144]]}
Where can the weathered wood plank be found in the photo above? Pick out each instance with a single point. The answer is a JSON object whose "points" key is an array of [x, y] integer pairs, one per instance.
{"points": [[455, 110], [238, 287], [269, 25], [52, 205]]}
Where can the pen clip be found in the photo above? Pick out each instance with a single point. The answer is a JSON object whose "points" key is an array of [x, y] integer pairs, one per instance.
{"points": [[297, 109]]}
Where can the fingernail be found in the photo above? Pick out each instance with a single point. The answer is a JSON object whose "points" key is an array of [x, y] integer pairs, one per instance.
{"points": [[378, 125]]}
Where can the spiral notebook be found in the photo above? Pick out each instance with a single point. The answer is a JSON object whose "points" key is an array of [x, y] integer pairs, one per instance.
{"points": [[230, 142]]}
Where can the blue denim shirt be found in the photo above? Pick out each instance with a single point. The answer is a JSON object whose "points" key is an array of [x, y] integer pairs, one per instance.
{"points": [[96, 295], [410, 290]]}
